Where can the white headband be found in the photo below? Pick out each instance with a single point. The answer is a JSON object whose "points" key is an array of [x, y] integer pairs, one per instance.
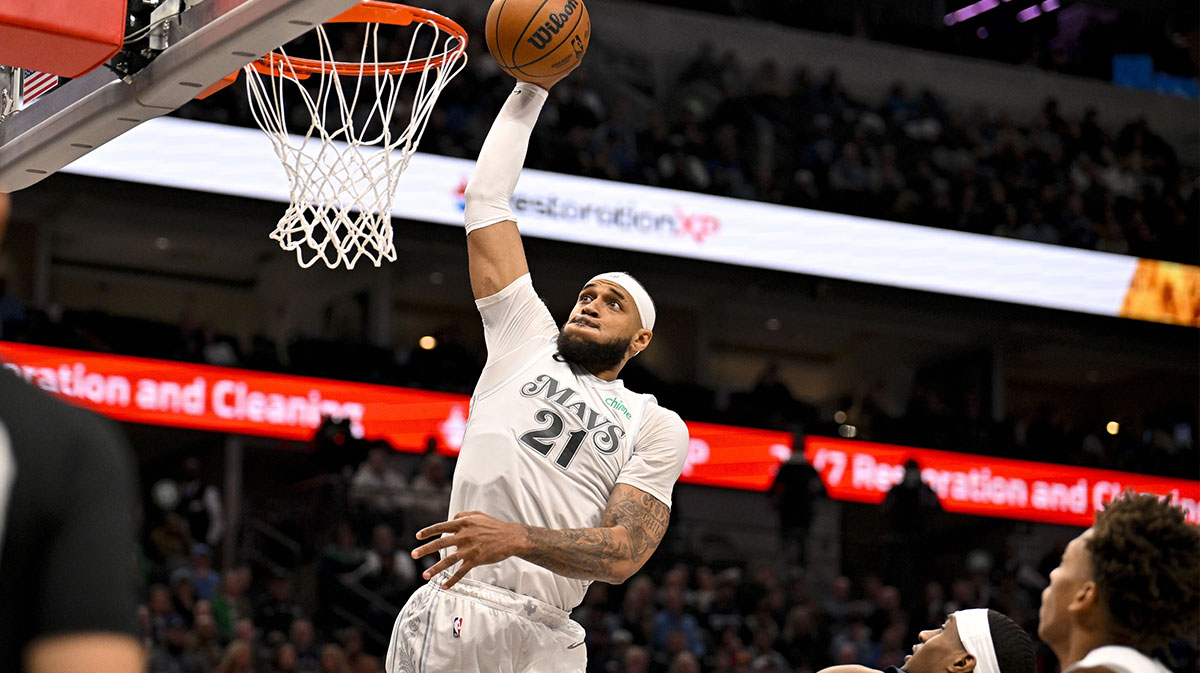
{"points": [[976, 636], [641, 298]]}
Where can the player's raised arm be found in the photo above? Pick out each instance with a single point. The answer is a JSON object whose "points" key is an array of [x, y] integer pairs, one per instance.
{"points": [[494, 249]]}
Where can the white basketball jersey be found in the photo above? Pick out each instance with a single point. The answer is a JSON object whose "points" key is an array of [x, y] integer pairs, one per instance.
{"points": [[547, 442], [1119, 659]]}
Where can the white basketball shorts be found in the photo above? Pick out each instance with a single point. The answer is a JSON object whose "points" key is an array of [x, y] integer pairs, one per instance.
{"points": [[474, 626]]}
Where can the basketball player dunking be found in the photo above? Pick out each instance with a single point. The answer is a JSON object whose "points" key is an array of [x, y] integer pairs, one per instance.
{"points": [[564, 477]]}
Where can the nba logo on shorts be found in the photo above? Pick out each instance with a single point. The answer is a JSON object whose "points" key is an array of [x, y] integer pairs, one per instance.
{"points": [[457, 626]]}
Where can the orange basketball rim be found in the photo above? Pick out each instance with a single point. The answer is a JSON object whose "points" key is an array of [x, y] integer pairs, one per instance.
{"points": [[370, 11]]}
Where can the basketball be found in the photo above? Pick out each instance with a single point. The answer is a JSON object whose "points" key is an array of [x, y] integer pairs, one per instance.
{"points": [[538, 40]]}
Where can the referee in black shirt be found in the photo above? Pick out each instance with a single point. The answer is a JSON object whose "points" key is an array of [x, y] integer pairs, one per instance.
{"points": [[67, 582]]}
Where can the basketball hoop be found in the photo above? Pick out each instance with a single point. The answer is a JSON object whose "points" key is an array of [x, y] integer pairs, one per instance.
{"points": [[344, 167]]}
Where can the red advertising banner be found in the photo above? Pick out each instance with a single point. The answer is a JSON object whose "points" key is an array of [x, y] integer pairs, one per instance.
{"points": [[222, 399], [733, 457], [983, 485]]}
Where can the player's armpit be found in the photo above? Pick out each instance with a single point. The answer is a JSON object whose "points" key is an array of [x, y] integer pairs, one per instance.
{"points": [[86, 653], [496, 258], [643, 516]]}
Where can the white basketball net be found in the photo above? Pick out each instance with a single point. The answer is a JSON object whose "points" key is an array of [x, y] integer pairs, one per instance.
{"points": [[343, 169]]}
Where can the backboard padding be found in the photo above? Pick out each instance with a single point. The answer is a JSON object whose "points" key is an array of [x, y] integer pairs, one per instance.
{"points": [[205, 43]]}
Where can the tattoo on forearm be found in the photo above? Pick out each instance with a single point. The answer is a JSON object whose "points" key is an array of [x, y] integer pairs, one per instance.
{"points": [[582, 553], [597, 553]]}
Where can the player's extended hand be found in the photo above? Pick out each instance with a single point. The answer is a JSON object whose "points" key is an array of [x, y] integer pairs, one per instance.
{"points": [[548, 83], [478, 540]]}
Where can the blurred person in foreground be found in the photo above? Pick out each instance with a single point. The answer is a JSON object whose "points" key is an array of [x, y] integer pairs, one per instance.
{"points": [[1127, 585], [67, 502]]}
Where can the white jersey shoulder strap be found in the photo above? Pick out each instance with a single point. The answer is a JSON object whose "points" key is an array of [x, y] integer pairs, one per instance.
{"points": [[1119, 659]]}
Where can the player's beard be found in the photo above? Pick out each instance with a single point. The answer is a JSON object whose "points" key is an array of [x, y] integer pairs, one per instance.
{"points": [[594, 356]]}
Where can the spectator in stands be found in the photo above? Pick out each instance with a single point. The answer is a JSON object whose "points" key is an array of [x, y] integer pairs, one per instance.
{"points": [[207, 641], [172, 541], [637, 609], [793, 494], [963, 595], [601, 651], [837, 608], [801, 641], [284, 660], [368, 664], [768, 601], [893, 646], [183, 598], [430, 493], [231, 603], [389, 569], [259, 649], [160, 611], [175, 654], [887, 611], [343, 554], [340, 557], [684, 662], [333, 660], [304, 645], [679, 577], [200, 505], [239, 658], [849, 177], [932, 605], [762, 643], [351, 641], [379, 489], [909, 509], [635, 660], [277, 611], [724, 612], [729, 652], [199, 573], [854, 641], [672, 620]]}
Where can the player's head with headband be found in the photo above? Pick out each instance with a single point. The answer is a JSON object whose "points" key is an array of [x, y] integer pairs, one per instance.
{"points": [[612, 321], [973, 641]]}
